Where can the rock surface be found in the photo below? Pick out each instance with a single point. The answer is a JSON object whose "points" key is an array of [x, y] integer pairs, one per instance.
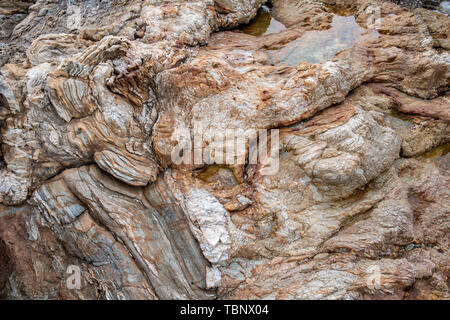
{"points": [[96, 98]]}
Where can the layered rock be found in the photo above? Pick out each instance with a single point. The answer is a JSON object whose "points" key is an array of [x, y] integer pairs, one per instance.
{"points": [[100, 104]]}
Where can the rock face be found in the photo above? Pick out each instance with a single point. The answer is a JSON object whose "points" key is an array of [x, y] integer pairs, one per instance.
{"points": [[103, 194]]}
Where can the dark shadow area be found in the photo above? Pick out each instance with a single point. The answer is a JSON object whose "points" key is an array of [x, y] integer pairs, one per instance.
{"points": [[5, 270]]}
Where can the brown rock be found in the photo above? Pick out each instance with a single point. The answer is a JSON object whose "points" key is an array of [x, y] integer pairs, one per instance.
{"points": [[99, 100]]}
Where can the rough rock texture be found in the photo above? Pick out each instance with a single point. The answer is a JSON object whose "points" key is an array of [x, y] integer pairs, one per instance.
{"points": [[96, 95]]}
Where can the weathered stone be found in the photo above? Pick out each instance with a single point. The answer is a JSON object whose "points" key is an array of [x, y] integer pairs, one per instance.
{"points": [[100, 106]]}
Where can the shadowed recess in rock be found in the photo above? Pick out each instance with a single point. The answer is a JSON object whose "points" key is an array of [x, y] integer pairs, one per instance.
{"points": [[4, 269], [440, 156]]}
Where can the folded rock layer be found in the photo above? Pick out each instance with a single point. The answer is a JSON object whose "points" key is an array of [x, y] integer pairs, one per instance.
{"points": [[103, 194]]}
